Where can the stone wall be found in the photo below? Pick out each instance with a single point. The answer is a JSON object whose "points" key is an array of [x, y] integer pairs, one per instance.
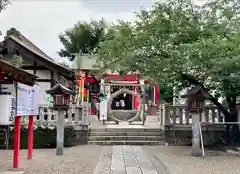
{"points": [[182, 134], [81, 137]]}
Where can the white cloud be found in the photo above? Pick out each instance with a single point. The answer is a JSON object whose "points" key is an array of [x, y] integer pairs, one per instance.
{"points": [[42, 21]]}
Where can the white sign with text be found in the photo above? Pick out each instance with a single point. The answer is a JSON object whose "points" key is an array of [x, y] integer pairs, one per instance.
{"points": [[27, 100], [103, 110]]}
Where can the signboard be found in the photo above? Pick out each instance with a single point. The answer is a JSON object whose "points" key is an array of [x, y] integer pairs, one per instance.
{"points": [[103, 110], [27, 100], [11, 88], [47, 99]]}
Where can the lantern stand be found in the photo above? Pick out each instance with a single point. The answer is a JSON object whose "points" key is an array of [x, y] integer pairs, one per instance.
{"points": [[195, 99], [61, 100]]}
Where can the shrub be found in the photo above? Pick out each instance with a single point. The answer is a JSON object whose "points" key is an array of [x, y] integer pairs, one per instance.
{"points": [[44, 137]]}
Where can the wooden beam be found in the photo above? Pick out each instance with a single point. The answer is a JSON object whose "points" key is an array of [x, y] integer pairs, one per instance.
{"points": [[49, 64], [52, 80], [29, 67], [16, 74], [120, 84], [34, 67], [44, 80]]}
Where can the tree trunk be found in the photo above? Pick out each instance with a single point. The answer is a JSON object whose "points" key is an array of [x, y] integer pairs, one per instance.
{"points": [[232, 129], [230, 116]]}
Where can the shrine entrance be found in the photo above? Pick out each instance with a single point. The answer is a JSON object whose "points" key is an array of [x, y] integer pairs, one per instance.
{"points": [[123, 101], [124, 114]]}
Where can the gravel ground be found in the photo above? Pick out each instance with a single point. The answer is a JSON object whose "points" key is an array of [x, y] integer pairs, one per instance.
{"points": [[179, 161], [76, 160]]}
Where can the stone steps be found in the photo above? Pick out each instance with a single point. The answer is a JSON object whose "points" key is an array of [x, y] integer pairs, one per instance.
{"points": [[126, 136], [130, 142], [3, 141], [129, 129], [100, 133]]}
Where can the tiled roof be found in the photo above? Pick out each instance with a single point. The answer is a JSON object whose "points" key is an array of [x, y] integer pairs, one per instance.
{"points": [[16, 36], [17, 73], [23, 41]]}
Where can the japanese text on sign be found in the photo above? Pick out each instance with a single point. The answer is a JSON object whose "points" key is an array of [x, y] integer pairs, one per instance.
{"points": [[27, 100]]}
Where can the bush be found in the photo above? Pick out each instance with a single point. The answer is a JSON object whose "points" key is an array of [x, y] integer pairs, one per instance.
{"points": [[44, 137]]}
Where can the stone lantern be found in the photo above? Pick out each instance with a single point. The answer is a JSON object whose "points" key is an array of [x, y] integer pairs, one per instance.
{"points": [[195, 101], [61, 100], [61, 96]]}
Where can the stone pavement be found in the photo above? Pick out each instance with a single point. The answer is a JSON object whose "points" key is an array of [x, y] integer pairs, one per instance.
{"points": [[178, 160], [76, 160], [126, 160], [84, 160], [123, 160]]}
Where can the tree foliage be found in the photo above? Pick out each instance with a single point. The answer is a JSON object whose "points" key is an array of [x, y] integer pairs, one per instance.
{"points": [[3, 4], [83, 37], [181, 44], [17, 60]]}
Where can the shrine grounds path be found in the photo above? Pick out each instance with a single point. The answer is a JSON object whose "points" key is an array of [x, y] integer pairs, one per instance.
{"points": [[91, 159]]}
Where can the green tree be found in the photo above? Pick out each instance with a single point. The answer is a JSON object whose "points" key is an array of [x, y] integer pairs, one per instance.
{"points": [[181, 44], [17, 61], [83, 37], [3, 4]]}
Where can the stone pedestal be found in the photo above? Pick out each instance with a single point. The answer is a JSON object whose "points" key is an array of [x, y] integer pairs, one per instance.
{"points": [[60, 133], [196, 149]]}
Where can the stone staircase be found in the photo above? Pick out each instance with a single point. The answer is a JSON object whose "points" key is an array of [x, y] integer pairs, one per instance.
{"points": [[3, 138], [126, 136], [124, 115]]}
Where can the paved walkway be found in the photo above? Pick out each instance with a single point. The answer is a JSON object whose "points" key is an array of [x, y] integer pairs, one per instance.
{"points": [[123, 160], [85, 160], [126, 160], [178, 160]]}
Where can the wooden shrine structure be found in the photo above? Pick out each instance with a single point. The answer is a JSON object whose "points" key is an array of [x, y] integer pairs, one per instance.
{"points": [[10, 73], [90, 87]]}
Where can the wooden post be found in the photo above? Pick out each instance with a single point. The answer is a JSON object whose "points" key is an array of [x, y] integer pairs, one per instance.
{"points": [[196, 150], [30, 136], [60, 132]]}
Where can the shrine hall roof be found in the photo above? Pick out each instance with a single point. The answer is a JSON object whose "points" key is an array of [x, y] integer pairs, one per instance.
{"points": [[17, 74], [14, 35]]}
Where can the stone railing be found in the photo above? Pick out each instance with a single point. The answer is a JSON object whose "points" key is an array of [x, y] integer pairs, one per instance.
{"points": [[177, 124], [177, 115], [76, 115]]}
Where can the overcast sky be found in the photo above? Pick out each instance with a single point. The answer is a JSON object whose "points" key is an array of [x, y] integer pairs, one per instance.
{"points": [[41, 21]]}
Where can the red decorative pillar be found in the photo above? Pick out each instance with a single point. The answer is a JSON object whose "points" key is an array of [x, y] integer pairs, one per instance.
{"points": [[155, 96], [135, 101], [155, 100], [30, 136], [16, 142]]}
